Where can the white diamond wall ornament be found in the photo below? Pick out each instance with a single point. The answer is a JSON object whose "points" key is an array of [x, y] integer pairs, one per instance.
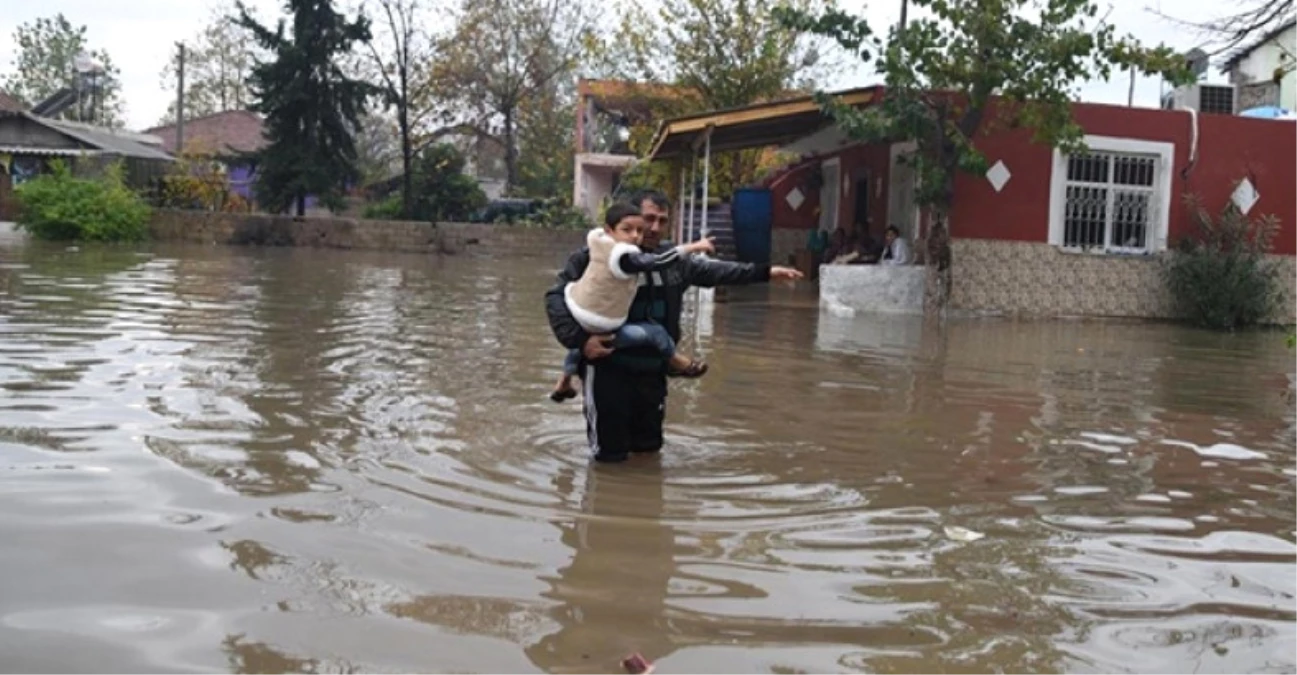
{"points": [[1245, 196], [795, 198], [998, 175]]}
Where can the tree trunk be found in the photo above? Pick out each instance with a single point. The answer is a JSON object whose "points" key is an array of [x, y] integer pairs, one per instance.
{"points": [[936, 294], [407, 151], [510, 154], [301, 205]]}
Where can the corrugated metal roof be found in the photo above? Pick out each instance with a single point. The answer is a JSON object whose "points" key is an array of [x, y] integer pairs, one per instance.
{"points": [[106, 140]]}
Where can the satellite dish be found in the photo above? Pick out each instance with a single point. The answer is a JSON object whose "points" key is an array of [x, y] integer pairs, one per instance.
{"points": [[1196, 60]]}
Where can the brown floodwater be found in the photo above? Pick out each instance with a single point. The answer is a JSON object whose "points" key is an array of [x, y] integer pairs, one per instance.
{"points": [[222, 459]]}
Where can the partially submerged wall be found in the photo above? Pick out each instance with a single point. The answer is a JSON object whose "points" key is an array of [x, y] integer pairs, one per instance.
{"points": [[206, 227]]}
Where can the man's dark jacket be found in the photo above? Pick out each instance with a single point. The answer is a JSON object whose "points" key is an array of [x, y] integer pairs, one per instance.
{"points": [[660, 300]]}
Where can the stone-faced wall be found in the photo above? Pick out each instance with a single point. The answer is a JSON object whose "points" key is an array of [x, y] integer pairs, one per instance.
{"points": [[204, 227], [1031, 279]]}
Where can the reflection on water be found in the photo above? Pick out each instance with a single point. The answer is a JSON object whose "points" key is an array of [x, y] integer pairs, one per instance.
{"points": [[309, 461]]}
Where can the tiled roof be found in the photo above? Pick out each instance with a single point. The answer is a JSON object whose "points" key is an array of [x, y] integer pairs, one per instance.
{"points": [[236, 131], [10, 104]]}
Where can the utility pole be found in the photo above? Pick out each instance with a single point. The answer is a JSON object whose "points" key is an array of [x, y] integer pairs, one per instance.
{"points": [[1130, 96], [180, 101]]}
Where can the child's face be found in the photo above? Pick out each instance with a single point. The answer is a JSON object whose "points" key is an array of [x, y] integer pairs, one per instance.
{"points": [[628, 230]]}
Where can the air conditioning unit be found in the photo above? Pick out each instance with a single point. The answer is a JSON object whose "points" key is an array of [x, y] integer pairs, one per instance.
{"points": [[1214, 99]]}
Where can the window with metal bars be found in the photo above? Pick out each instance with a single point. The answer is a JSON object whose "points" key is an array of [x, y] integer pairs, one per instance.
{"points": [[1111, 200]]}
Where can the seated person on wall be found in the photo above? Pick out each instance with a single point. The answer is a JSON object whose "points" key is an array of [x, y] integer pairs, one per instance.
{"points": [[896, 251], [863, 249], [839, 245]]}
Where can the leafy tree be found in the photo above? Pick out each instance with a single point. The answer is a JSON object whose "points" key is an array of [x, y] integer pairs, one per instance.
{"points": [[968, 67], [311, 107], [47, 51], [546, 147], [218, 65], [717, 54], [378, 151], [503, 53], [401, 54], [442, 192]]}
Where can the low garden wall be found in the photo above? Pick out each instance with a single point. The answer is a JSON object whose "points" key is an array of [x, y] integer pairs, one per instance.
{"points": [[1032, 279], [252, 229]]}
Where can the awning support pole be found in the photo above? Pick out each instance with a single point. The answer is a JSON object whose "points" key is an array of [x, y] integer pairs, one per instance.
{"points": [[693, 175], [707, 166], [680, 207]]}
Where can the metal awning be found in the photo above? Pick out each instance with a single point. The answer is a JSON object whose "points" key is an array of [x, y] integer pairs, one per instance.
{"points": [[754, 126], [46, 152]]}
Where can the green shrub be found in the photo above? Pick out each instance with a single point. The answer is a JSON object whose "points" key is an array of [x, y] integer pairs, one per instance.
{"points": [[441, 191], [1219, 276], [557, 216], [389, 208], [60, 206]]}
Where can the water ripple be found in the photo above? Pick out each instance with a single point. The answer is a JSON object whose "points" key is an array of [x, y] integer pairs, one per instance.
{"points": [[307, 461]]}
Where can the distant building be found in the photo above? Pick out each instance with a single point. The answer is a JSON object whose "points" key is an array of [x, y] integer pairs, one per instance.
{"points": [[230, 137], [30, 143], [1264, 70], [10, 104]]}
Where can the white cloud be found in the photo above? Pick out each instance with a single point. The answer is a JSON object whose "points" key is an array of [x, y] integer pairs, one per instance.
{"points": [[141, 35]]}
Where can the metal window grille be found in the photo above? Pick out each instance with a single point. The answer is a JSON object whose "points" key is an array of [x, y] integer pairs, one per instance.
{"points": [[1111, 201]]}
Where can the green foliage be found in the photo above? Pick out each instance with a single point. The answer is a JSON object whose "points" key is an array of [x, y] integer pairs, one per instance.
{"points": [[1291, 340], [554, 214], [60, 206], [218, 62], [503, 54], [1219, 276], [717, 54], [955, 56], [311, 106], [47, 49], [388, 208], [442, 192], [546, 144]]}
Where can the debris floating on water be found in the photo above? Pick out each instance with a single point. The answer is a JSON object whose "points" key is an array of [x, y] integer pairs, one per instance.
{"points": [[637, 665], [963, 534]]}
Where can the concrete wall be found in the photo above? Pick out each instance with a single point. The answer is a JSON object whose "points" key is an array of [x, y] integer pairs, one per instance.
{"points": [[881, 289], [201, 227], [1029, 279]]}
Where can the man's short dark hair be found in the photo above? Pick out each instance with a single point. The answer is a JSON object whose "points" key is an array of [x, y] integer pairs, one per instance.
{"points": [[618, 212], [894, 230], [658, 198]]}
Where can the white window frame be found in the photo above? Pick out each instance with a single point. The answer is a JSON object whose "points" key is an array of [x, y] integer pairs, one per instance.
{"points": [[1159, 220]]}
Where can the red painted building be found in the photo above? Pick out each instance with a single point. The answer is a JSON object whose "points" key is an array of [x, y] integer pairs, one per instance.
{"points": [[1126, 196]]}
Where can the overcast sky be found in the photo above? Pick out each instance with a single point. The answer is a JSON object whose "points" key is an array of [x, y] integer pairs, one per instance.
{"points": [[140, 36]]}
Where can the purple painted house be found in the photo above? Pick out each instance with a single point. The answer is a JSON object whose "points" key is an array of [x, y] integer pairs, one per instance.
{"points": [[229, 136]]}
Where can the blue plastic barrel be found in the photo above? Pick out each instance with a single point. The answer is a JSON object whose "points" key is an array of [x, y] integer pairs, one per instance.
{"points": [[753, 216]]}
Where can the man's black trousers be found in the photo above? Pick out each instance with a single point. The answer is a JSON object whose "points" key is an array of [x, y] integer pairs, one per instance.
{"points": [[624, 411]]}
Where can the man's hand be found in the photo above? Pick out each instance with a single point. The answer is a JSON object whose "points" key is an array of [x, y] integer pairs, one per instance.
{"points": [[597, 347], [778, 273]]}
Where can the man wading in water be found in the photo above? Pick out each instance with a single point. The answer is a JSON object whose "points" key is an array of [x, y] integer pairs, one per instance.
{"points": [[625, 390]]}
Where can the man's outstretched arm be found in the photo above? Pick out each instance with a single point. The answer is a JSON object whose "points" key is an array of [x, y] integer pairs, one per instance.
{"points": [[707, 273], [565, 328]]}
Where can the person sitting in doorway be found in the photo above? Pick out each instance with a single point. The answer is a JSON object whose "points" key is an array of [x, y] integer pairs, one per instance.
{"points": [[896, 251], [867, 249], [837, 245]]}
